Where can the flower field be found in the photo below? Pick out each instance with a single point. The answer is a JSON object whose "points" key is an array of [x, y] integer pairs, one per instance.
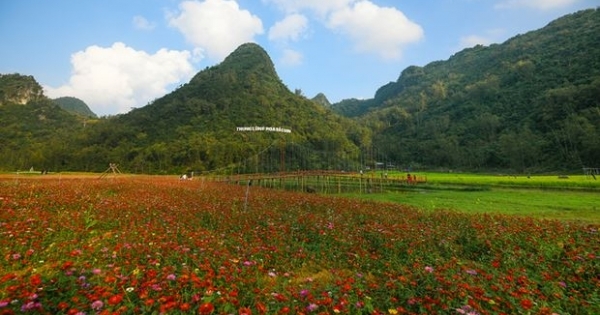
{"points": [[154, 245]]}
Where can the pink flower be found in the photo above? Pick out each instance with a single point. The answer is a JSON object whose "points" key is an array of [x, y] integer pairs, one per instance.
{"points": [[171, 277], [312, 307], [429, 269], [156, 287], [97, 305]]}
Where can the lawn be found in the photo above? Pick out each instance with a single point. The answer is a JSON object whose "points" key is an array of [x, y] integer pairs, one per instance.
{"points": [[575, 198], [157, 245]]}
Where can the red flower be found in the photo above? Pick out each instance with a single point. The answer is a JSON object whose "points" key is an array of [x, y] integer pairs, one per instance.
{"points": [[67, 264], [244, 311], [262, 309], [206, 308], [526, 304], [115, 299], [63, 306], [35, 280], [185, 307]]}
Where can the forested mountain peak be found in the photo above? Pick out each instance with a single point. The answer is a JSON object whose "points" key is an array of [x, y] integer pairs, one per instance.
{"points": [[75, 106], [19, 89], [250, 58], [243, 89], [321, 99], [198, 123], [34, 131]]}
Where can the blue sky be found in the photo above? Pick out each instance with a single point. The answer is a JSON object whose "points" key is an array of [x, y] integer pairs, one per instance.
{"points": [[120, 54]]}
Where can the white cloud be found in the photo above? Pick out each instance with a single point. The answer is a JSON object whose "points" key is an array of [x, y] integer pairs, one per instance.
{"points": [[292, 27], [291, 58], [216, 26], [112, 80], [534, 4], [140, 23], [374, 29]]}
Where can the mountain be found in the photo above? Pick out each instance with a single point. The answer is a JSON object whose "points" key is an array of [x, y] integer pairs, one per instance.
{"points": [[196, 126], [34, 131], [528, 104], [19, 89], [75, 106], [321, 99]]}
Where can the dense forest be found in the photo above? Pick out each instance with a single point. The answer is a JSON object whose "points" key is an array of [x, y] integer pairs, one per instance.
{"points": [[74, 105], [194, 128], [33, 129], [529, 104]]}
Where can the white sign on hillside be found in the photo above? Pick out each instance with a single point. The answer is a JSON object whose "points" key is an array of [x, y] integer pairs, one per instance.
{"points": [[271, 129]]}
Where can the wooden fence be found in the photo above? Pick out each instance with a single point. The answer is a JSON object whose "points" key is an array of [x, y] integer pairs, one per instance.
{"points": [[326, 182]]}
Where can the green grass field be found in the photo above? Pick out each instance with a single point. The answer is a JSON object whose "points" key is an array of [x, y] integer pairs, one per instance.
{"points": [[575, 198]]}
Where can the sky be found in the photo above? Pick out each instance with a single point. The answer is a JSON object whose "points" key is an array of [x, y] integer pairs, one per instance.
{"points": [[116, 55]]}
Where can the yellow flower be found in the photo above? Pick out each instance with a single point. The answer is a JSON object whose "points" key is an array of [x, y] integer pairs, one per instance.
{"points": [[392, 311]]}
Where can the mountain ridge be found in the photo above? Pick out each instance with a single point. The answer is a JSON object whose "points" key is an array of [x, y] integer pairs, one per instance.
{"points": [[527, 105], [527, 102]]}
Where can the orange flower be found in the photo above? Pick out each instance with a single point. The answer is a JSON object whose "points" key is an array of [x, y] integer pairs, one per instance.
{"points": [[185, 307], [244, 311], [262, 309]]}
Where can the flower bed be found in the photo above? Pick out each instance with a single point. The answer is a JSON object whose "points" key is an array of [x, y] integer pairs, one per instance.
{"points": [[160, 245]]}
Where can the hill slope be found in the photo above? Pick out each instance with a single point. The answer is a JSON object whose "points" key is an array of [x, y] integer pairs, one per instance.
{"points": [[75, 106], [34, 131], [195, 126], [19, 89], [527, 104]]}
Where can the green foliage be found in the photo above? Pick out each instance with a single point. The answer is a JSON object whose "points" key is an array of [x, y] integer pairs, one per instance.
{"points": [[194, 127], [321, 99], [548, 197], [34, 131], [529, 104], [75, 105], [154, 245], [19, 89]]}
